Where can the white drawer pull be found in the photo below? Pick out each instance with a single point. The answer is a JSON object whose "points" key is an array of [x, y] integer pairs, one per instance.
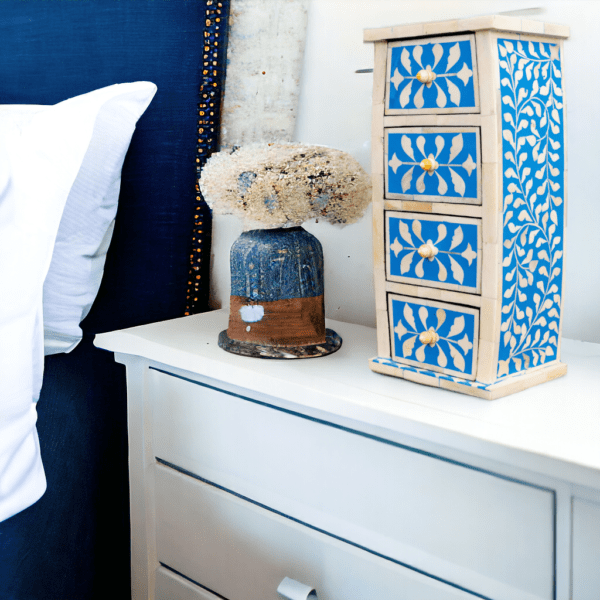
{"points": [[294, 590]]}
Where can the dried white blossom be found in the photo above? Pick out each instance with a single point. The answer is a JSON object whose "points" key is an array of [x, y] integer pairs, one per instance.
{"points": [[281, 185]]}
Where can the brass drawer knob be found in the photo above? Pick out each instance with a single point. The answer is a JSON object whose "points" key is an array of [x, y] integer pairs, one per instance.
{"points": [[427, 250], [426, 76], [429, 337], [429, 164]]}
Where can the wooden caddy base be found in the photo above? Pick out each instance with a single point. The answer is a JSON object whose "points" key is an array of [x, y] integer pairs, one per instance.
{"points": [[492, 391]]}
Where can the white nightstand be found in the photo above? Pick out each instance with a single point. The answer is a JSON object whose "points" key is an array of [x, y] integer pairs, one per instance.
{"points": [[245, 471]]}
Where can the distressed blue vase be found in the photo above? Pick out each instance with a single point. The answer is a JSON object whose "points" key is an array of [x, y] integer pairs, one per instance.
{"points": [[277, 296]]}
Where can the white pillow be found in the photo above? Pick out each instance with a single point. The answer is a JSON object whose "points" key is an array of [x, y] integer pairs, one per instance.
{"points": [[41, 158], [87, 223]]}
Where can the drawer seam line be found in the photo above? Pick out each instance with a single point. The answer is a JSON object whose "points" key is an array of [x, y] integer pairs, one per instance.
{"points": [[361, 433], [162, 564]]}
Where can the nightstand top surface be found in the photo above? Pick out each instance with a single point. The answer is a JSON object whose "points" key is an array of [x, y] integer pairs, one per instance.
{"points": [[556, 423], [486, 22]]}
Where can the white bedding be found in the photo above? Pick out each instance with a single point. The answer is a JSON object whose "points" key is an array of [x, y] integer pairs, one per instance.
{"points": [[69, 154]]}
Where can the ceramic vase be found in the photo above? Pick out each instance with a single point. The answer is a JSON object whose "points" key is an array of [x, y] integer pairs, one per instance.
{"points": [[277, 296]]}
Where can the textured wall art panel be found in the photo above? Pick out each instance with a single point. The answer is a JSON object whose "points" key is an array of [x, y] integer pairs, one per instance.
{"points": [[434, 76], [533, 192], [264, 64]]}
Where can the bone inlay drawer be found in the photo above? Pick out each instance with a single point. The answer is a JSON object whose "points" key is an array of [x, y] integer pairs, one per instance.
{"points": [[394, 501], [436, 75], [435, 251], [441, 336], [433, 164]]}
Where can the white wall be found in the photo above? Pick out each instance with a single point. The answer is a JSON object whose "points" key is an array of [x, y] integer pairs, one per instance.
{"points": [[335, 110]]}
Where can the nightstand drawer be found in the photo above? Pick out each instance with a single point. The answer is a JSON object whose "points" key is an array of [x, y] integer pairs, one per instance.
{"points": [[436, 251], [393, 500], [435, 335], [432, 75], [172, 586], [585, 580], [433, 164], [242, 552]]}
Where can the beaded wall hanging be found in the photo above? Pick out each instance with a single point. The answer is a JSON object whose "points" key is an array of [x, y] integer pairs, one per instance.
{"points": [[209, 113]]}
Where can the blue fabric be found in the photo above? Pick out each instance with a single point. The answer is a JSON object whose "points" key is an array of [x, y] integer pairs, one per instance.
{"points": [[55, 50], [74, 543]]}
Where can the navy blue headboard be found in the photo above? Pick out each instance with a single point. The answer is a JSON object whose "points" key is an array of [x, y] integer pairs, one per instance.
{"points": [[53, 50], [66, 545]]}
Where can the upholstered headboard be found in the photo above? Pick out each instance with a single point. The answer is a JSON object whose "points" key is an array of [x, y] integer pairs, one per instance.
{"points": [[65, 545], [55, 50]]}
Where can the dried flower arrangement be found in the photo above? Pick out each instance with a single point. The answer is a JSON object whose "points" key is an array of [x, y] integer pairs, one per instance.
{"points": [[284, 185]]}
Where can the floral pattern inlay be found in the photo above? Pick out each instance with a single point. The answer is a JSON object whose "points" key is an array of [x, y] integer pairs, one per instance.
{"points": [[441, 338], [431, 76], [388, 362], [432, 164], [533, 194], [433, 250]]}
